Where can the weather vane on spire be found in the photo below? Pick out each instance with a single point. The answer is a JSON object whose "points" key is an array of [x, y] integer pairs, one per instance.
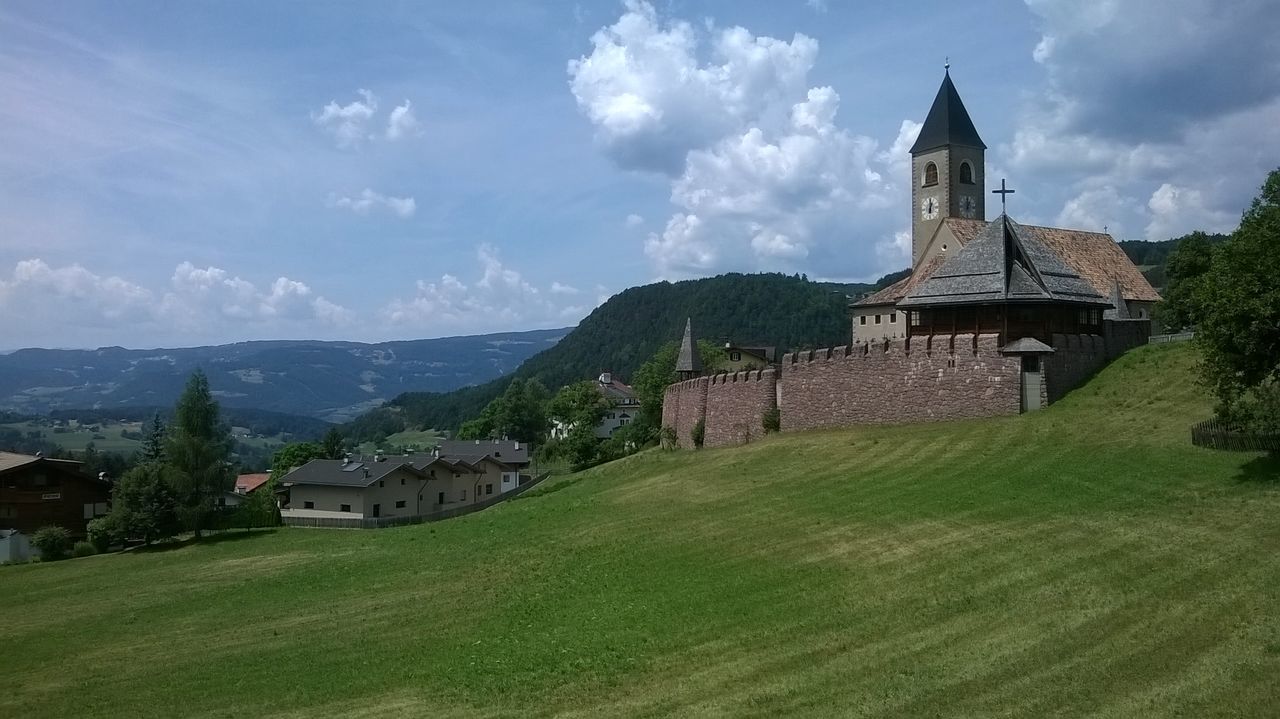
{"points": [[1003, 193]]}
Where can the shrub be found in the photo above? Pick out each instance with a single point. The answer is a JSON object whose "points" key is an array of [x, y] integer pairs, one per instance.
{"points": [[772, 420], [106, 532], [667, 437], [698, 433], [52, 541], [83, 549]]}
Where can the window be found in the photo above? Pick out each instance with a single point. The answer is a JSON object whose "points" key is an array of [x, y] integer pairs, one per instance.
{"points": [[915, 319], [862, 320], [402, 481], [382, 483], [735, 356], [488, 489], [930, 174], [400, 504], [342, 507], [877, 319], [966, 173], [88, 511], [308, 505], [464, 495], [893, 318], [440, 498]]}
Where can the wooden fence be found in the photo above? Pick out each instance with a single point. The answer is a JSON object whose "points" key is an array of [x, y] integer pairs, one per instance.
{"points": [[1178, 337], [384, 522], [1216, 434]]}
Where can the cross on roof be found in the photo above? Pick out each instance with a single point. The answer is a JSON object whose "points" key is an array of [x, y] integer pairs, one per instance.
{"points": [[1003, 193]]}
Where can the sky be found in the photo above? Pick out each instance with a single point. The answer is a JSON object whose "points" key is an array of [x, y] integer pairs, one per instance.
{"points": [[177, 174]]}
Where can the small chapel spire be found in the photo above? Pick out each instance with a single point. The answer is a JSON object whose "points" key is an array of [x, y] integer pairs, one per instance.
{"points": [[688, 362]]}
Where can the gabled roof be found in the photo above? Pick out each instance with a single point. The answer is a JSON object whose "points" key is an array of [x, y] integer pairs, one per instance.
{"points": [[13, 460], [616, 391], [246, 483], [947, 123], [1004, 264], [504, 450], [688, 360]]}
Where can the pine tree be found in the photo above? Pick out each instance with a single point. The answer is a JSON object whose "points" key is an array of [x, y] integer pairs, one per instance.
{"points": [[198, 448], [153, 443], [332, 444]]}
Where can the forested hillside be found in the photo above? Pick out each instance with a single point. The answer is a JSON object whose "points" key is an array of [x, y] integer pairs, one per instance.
{"points": [[1150, 257], [764, 309]]}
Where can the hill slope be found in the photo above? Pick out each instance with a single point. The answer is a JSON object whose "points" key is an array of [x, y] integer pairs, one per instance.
{"points": [[328, 380], [759, 309], [1083, 560]]}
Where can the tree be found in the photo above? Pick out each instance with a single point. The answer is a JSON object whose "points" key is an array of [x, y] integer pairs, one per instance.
{"points": [[651, 380], [519, 413], [153, 441], [295, 455], [332, 444], [580, 403], [1185, 271], [1239, 302], [144, 504], [198, 448]]}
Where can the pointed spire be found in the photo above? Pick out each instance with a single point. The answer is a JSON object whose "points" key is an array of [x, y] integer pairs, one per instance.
{"points": [[948, 122], [688, 362]]}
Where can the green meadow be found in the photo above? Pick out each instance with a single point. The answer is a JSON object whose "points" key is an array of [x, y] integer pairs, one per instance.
{"points": [[1083, 560]]}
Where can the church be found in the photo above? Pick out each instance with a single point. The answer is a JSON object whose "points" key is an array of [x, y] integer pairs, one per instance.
{"points": [[995, 318], [971, 275]]}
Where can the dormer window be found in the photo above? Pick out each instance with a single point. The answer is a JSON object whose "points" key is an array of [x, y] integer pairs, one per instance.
{"points": [[966, 173], [930, 174]]}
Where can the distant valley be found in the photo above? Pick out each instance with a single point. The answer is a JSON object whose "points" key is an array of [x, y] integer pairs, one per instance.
{"points": [[333, 381]]}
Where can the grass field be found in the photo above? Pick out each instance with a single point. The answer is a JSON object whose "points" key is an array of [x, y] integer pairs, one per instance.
{"points": [[1084, 560], [108, 436], [417, 439]]}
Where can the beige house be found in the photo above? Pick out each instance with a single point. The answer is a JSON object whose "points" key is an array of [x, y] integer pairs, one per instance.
{"points": [[393, 486]]}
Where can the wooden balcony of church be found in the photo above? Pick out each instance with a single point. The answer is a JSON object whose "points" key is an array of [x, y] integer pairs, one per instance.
{"points": [[1010, 322]]}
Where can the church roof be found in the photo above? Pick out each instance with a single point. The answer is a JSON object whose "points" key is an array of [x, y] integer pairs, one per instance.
{"points": [[688, 360], [1004, 264], [947, 123]]}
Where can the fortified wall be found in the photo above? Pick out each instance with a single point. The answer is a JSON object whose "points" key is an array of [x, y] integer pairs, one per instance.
{"points": [[920, 379], [1077, 357], [906, 380]]}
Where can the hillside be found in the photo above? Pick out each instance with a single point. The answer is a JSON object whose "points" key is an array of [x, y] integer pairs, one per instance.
{"points": [[759, 309], [1083, 560], [334, 381]]}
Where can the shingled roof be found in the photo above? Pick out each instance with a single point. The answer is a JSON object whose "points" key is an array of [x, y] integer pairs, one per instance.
{"points": [[1004, 264], [947, 123], [688, 360], [1095, 256]]}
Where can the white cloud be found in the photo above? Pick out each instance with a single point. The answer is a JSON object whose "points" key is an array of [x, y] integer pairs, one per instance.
{"points": [[402, 123], [762, 176], [818, 6], [348, 123], [1142, 119], [369, 200], [561, 289], [499, 299], [41, 304], [634, 220]]}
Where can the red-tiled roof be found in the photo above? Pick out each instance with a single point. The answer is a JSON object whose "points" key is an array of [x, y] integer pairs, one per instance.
{"points": [[246, 483]]}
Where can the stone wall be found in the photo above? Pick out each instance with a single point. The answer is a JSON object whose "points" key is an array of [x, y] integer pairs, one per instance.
{"points": [[683, 405], [907, 380], [736, 405], [1076, 358]]}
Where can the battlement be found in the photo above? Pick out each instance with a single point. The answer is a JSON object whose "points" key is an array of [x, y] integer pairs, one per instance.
{"points": [[751, 375], [971, 344]]}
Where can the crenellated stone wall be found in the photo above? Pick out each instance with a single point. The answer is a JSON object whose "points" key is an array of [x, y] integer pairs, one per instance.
{"points": [[920, 379], [736, 405], [907, 380]]}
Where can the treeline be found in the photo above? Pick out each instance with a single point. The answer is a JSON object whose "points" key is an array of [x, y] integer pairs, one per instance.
{"points": [[1153, 257], [257, 421], [788, 312]]}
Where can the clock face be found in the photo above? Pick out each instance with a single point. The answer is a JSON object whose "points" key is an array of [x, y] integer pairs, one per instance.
{"points": [[929, 208], [968, 206]]}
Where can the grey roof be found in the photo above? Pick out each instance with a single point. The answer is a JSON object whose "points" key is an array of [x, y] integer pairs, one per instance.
{"points": [[504, 451], [1119, 308], [947, 123], [688, 360], [357, 473], [1003, 264], [1026, 345]]}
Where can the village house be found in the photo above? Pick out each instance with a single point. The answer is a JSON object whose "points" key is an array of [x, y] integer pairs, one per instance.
{"points": [[456, 474], [250, 483], [738, 358], [624, 405], [36, 491]]}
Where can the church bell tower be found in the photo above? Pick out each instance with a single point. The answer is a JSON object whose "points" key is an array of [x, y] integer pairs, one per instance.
{"points": [[948, 170]]}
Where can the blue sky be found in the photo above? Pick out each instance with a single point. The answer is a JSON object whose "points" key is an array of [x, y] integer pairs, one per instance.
{"points": [[193, 173]]}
